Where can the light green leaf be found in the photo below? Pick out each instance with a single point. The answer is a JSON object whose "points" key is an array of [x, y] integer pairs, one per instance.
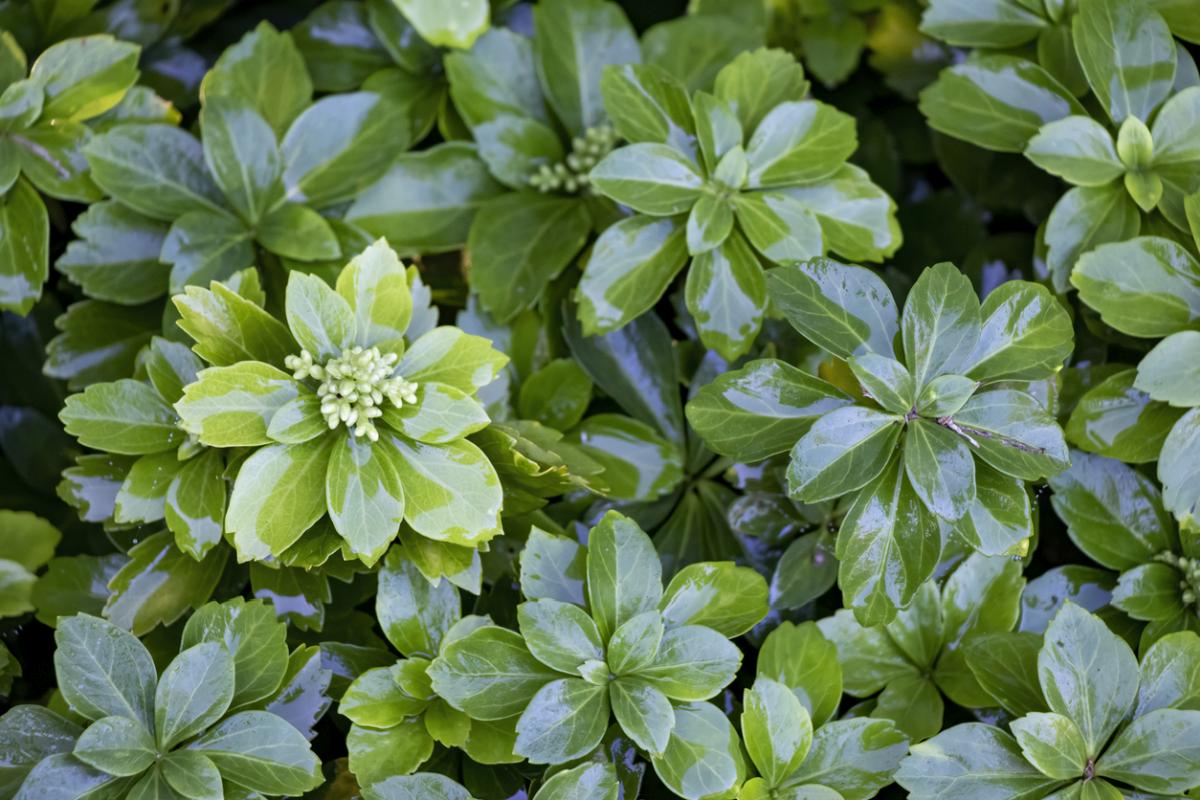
{"points": [[780, 227], [489, 673], [229, 328], [857, 217], [843, 451], [255, 639], [63, 777], [320, 318], [854, 757], [195, 691], [940, 469], [364, 495], [802, 659], [1169, 373], [756, 82], [643, 712], [241, 152], [593, 781], [1177, 467], [799, 142], [1158, 752], [982, 23], [655, 179], [704, 757], [941, 323], [719, 595], [1116, 420], [693, 663], [115, 254], [560, 635], [451, 491], [624, 576], [777, 729], [160, 583], [265, 68], [1084, 218], [190, 774], [421, 786], [971, 760], [447, 355], [261, 752], [1148, 286], [104, 670], [278, 495], [124, 416], [233, 406], [726, 295], [553, 567], [1012, 431], [457, 25], [1127, 54], [84, 77], [647, 104], [1077, 149], [116, 745], [1052, 743], [565, 720]]}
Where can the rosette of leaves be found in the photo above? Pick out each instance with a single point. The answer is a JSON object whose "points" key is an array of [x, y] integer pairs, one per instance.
{"points": [[755, 170], [798, 750], [27, 542], [395, 713], [907, 665], [1115, 515], [931, 437], [1102, 726], [600, 638], [42, 139], [535, 111], [357, 408], [268, 162], [590, 781], [1130, 170], [204, 728]]}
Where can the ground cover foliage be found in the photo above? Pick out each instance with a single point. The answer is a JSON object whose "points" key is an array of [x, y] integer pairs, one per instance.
{"points": [[596, 400]]}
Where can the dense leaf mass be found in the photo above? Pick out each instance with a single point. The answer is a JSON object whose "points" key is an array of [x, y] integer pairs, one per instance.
{"points": [[599, 399]]}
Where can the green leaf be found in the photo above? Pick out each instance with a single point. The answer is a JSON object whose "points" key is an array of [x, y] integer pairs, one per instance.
{"points": [[574, 40], [51, 157], [883, 560], [195, 691], [1168, 372], [117, 745], [1026, 334], [719, 595], [29, 734], [261, 752], [1005, 665], [24, 242], [1113, 513], [799, 142], [451, 491], [142, 497], [703, 757], [84, 77], [1177, 467], [375, 285], [1077, 149], [364, 495], [1114, 419], [913, 704], [726, 295], [760, 409], [295, 231], [339, 145], [1157, 752], [553, 567], [1148, 591], [195, 504], [422, 786], [1011, 431], [447, 355], [780, 227], [157, 170], [643, 712], [565, 720], [425, 202], [624, 576], [756, 82], [990, 23], [241, 152], [647, 104], [709, 224], [255, 639], [1083, 219], [125, 416], [997, 102], [940, 469], [843, 309], [384, 697], [884, 380], [843, 451], [233, 406], [190, 774], [320, 318], [586, 782], [857, 217], [104, 670], [376, 755], [1087, 673], [1127, 54], [560, 635], [1172, 144], [1052, 743], [693, 663], [278, 495], [489, 673], [446, 26], [655, 179], [972, 760], [115, 254], [1167, 680], [557, 395], [631, 265], [941, 323], [204, 246], [1148, 286], [519, 242], [801, 658], [63, 777], [160, 583], [265, 69], [855, 757], [776, 728], [229, 328]]}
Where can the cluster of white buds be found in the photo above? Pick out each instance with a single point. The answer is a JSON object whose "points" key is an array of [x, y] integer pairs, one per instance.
{"points": [[571, 176], [1190, 584], [354, 386]]}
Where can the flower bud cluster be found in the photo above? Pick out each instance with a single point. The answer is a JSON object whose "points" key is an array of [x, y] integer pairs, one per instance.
{"points": [[354, 386], [1189, 584], [571, 176]]}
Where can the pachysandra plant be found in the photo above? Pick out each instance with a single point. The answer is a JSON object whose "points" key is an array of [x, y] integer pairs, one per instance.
{"points": [[796, 746], [536, 114], [395, 713], [593, 781], [934, 433], [203, 728], [42, 139], [1116, 516], [919, 656], [1106, 727], [1131, 169], [609, 643], [357, 408], [754, 171]]}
